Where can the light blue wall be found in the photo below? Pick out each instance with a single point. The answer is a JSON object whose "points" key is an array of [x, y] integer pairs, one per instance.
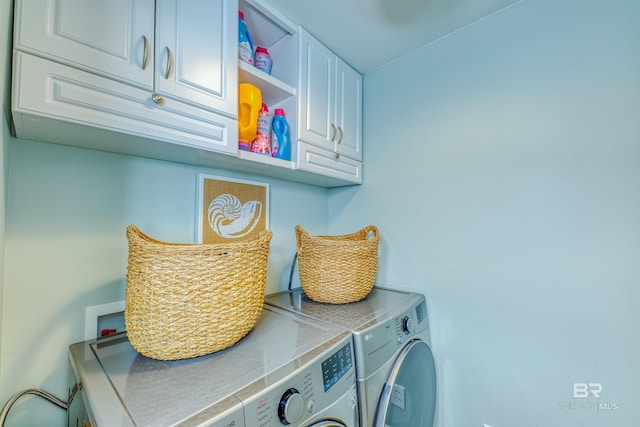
{"points": [[5, 75], [503, 170], [66, 249]]}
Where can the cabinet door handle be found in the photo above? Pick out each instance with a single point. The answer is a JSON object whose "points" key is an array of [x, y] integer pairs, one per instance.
{"points": [[333, 132], [169, 64], [341, 135], [145, 55]]}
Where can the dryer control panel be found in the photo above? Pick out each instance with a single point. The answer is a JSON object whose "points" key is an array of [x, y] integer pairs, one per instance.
{"points": [[375, 345], [411, 323]]}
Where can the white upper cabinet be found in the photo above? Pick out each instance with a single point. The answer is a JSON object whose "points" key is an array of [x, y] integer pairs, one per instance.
{"points": [[112, 38], [181, 49], [317, 86], [181, 55], [159, 79], [195, 61], [330, 100], [348, 117]]}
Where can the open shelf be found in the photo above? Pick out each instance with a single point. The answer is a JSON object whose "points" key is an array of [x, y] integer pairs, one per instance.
{"points": [[273, 90], [265, 159]]}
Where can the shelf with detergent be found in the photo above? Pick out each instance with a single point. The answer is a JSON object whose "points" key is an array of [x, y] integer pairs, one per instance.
{"points": [[273, 90], [265, 159]]}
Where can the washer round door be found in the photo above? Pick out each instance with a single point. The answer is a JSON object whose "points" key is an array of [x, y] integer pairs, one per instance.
{"points": [[328, 423], [409, 394]]}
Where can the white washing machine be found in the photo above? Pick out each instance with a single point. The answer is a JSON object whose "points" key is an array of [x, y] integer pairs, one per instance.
{"points": [[395, 368], [287, 371]]}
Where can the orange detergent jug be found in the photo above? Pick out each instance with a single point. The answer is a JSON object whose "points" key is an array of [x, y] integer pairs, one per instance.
{"points": [[249, 103]]}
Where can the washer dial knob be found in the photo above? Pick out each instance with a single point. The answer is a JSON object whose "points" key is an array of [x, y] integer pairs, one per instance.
{"points": [[407, 325], [291, 407]]}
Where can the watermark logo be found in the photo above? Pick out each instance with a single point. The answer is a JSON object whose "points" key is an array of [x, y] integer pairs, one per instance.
{"points": [[587, 397], [583, 390]]}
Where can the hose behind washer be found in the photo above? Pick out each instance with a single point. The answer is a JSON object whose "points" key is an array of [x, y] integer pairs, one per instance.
{"points": [[40, 393]]}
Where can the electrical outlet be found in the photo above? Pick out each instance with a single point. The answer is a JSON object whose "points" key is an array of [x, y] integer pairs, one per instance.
{"points": [[397, 396], [103, 317]]}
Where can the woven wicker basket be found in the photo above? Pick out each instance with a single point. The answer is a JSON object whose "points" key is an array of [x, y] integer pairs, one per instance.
{"points": [[188, 300], [338, 269]]}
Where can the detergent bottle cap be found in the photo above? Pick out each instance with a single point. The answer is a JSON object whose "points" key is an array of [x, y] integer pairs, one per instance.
{"points": [[264, 108], [279, 112], [241, 14], [261, 49]]}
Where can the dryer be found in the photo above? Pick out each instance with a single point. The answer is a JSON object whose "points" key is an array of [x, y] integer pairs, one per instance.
{"points": [[395, 368], [286, 371]]}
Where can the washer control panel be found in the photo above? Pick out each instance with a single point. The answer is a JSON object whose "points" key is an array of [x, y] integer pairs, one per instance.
{"points": [[301, 389], [291, 406], [336, 366]]}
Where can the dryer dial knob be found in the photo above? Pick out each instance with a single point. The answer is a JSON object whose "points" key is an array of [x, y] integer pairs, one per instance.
{"points": [[291, 407], [407, 326]]}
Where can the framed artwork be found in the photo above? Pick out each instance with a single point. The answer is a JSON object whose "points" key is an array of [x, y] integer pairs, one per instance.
{"points": [[230, 210]]}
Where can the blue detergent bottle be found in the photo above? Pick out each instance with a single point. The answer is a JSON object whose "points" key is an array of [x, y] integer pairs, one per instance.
{"points": [[280, 137], [245, 51]]}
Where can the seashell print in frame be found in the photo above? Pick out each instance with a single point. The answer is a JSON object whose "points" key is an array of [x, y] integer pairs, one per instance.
{"points": [[230, 209]]}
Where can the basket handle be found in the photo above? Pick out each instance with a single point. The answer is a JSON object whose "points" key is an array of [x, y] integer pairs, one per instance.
{"points": [[370, 231], [299, 232], [373, 232]]}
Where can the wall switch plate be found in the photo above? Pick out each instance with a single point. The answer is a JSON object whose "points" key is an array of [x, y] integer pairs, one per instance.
{"points": [[106, 316]]}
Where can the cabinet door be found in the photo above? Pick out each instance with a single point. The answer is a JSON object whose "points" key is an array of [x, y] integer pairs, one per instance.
{"points": [[316, 93], [57, 94], [196, 53], [348, 111], [108, 38]]}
